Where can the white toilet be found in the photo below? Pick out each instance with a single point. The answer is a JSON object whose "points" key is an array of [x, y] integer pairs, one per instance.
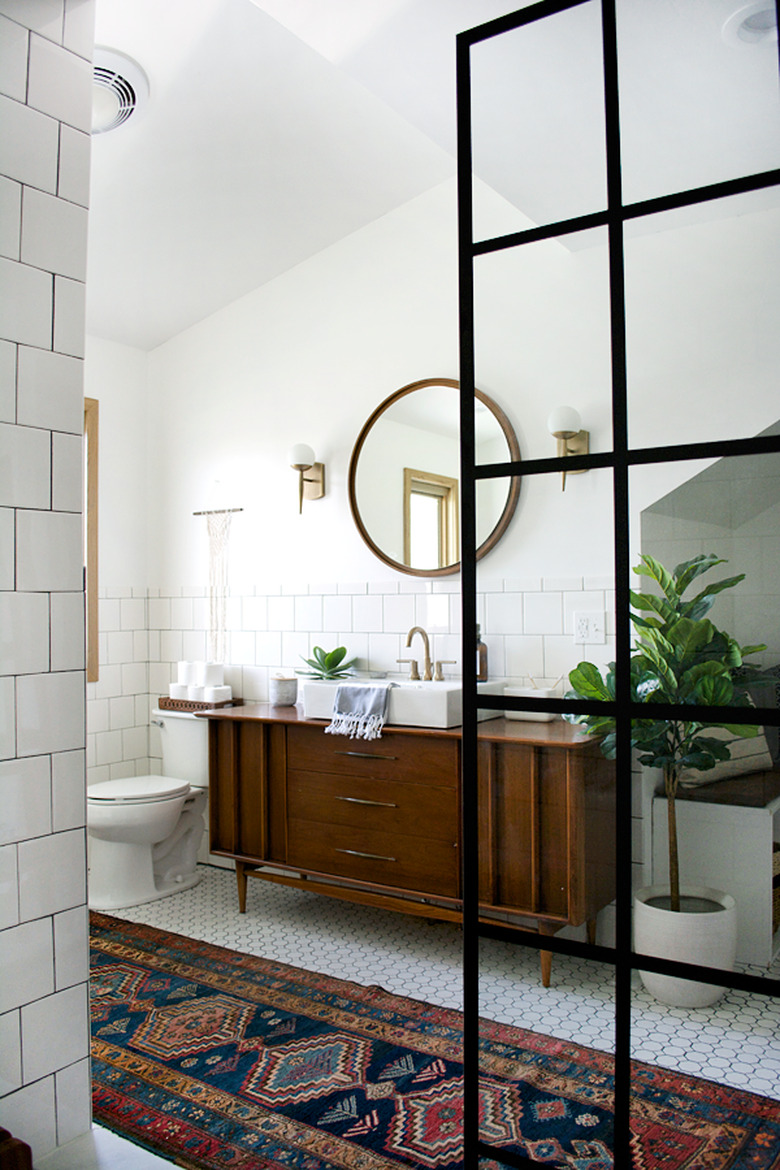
{"points": [[145, 832]]}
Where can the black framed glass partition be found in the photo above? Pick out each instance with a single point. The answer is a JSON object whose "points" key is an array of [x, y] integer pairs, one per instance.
{"points": [[619, 232]]}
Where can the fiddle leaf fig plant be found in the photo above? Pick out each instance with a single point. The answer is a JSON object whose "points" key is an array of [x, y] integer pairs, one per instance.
{"points": [[328, 664], [679, 657]]}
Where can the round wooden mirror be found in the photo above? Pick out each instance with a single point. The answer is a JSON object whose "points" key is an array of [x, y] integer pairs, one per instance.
{"points": [[403, 477]]}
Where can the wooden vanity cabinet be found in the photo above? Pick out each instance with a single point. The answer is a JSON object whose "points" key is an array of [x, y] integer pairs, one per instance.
{"points": [[546, 830], [382, 812], [378, 821]]}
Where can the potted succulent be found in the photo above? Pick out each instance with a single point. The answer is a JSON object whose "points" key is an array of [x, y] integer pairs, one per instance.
{"points": [[326, 667], [328, 664], [680, 657]]}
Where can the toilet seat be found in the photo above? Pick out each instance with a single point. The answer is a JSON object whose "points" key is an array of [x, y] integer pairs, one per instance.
{"points": [[137, 790]]}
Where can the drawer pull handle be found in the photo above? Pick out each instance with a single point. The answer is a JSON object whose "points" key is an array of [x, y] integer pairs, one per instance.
{"points": [[373, 856], [373, 803], [367, 755]]}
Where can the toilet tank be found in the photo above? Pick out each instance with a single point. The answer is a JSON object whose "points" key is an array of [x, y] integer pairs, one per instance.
{"points": [[184, 745]]}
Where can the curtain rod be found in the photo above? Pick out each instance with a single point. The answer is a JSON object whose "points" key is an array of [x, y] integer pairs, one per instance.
{"points": [[218, 512]]}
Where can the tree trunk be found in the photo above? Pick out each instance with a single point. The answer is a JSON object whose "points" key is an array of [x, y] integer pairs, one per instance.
{"points": [[670, 785]]}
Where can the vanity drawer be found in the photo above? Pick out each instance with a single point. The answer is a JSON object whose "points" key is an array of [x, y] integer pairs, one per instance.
{"points": [[414, 758], [415, 810], [380, 858]]}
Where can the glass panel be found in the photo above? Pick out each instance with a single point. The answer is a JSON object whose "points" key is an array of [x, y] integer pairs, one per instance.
{"points": [[541, 328], [735, 1042], [543, 1051], [538, 123], [698, 103], [726, 794], [730, 507], [553, 568], [702, 305]]}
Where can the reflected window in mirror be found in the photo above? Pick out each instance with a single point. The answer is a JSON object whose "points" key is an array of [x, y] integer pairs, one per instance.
{"points": [[430, 519]]}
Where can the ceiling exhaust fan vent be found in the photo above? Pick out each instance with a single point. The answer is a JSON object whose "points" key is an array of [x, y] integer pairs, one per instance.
{"points": [[120, 88], [752, 24]]}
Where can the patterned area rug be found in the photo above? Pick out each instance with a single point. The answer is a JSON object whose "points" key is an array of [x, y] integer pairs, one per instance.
{"points": [[222, 1061]]}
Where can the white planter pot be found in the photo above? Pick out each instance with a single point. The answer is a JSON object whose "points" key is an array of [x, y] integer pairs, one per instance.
{"points": [[706, 937], [282, 692]]}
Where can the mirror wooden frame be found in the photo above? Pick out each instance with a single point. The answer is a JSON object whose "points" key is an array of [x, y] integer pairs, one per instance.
{"points": [[512, 495]]}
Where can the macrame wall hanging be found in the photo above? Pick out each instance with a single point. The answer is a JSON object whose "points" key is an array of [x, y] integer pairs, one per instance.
{"points": [[218, 528]]}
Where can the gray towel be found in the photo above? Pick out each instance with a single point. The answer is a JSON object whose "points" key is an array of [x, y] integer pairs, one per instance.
{"points": [[359, 710]]}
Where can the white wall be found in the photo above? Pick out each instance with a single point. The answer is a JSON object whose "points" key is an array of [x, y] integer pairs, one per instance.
{"points": [[45, 114], [307, 357], [116, 375]]}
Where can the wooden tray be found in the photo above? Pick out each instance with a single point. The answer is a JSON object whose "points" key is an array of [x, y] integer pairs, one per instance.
{"points": [[166, 704]]}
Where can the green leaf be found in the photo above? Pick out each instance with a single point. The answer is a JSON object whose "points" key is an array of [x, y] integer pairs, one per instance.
{"points": [[688, 571], [608, 745], [587, 682], [652, 601], [650, 567], [707, 596], [689, 637], [691, 678], [646, 623], [759, 648], [742, 730], [327, 664], [655, 643], [715, 692]]}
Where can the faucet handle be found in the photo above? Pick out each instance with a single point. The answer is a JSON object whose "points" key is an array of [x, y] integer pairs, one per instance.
{"points": [[414, 673], [438, 676]]}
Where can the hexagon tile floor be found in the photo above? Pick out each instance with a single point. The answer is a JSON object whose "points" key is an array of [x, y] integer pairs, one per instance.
{"points": [[736, 1041]]}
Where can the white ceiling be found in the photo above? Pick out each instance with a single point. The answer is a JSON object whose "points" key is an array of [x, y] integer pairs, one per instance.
{"points": [[275, 128]]}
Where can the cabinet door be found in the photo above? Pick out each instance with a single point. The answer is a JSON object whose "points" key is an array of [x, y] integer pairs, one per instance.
{"points": [[246, 769], [524, 829]]}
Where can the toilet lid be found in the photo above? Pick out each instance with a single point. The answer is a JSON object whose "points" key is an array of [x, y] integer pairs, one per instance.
{"points": [[138, 788]]}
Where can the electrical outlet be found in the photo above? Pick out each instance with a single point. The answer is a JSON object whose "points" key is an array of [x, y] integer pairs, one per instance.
{"points": [[589, 628]]}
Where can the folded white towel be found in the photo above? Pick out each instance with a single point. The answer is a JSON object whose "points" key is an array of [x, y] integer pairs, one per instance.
{"points": [[359, 711]]}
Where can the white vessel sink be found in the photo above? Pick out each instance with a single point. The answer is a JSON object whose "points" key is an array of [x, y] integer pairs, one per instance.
{"points": [[411, 704]]}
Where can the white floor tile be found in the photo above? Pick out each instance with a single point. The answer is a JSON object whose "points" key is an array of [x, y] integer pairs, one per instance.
{"points": [[100, 1149]]}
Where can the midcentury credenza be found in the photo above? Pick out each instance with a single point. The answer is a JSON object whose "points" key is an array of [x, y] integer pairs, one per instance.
{"points": [[378, 822]]}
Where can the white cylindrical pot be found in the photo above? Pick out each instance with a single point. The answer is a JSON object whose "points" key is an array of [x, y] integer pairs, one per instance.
{"points": [[707, 937], [283, 692]]}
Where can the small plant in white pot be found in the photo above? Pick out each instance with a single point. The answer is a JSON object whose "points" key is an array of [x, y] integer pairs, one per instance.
{"points": [[680, 657], [327, 665]]}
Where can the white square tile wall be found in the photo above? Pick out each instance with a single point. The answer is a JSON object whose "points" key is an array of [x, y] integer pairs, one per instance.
{"points": [[45, 96]]}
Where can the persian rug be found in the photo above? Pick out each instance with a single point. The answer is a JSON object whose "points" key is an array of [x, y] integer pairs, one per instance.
{"points": [[223, 1061]]}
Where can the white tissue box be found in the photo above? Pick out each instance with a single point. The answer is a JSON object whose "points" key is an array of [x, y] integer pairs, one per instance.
{"points": [[532, 693]]}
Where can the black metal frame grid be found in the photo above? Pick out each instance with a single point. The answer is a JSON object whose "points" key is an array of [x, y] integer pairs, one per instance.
{"points": [[620, 460]]}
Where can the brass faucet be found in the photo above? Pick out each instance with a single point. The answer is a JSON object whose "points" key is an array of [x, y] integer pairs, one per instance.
{"points": [[427, 672]]}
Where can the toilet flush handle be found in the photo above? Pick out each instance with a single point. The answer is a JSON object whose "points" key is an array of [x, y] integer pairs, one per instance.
{"points": [[158, 723]]}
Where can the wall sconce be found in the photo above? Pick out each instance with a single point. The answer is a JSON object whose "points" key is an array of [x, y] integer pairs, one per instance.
{"points": [[312, 486], [565, 424]]}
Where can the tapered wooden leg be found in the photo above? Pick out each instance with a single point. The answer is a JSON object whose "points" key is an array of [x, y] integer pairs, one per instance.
{"points": [[241, 884], [590, 926], [545, 957]]}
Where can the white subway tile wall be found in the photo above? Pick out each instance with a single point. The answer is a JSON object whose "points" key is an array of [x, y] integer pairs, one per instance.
{"points": [[274, 631], [45, 83]]}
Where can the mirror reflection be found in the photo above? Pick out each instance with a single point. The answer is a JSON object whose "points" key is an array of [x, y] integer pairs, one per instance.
{"points": [[404, 477]]}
